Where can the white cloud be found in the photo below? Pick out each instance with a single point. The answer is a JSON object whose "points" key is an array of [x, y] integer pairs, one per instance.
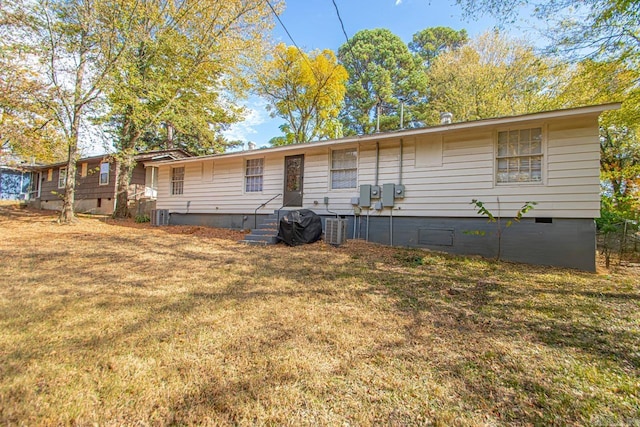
{"points": [[398, 2], [255, 116]]}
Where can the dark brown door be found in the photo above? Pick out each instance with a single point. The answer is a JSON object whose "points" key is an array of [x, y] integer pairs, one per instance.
{"points": [[293, 179]]}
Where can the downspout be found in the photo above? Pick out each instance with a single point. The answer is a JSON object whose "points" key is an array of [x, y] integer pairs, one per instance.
{"points": [[401, 161], [391, 226], [377, 161]]}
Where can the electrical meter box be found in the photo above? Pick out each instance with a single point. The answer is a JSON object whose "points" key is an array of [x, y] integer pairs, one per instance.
{"points": [[375, 191], [399, 192]]}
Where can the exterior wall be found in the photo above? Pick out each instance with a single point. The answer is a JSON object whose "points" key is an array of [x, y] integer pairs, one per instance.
{"points": [[442, 170], [563, 242], [443, 187], [90, 196]]}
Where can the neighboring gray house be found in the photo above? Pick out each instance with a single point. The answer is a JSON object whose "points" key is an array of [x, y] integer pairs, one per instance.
{"points": [[414, 187]]}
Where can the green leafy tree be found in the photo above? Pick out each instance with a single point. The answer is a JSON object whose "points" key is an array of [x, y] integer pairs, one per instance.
{"points": [[26, 129], [601, 28], [383, 77], [306, 90], [490, 76], [184, 66], [610, 81], [71, 46], [431, 42]]}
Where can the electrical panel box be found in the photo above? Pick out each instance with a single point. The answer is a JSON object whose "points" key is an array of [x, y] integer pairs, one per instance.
{"points": [[388, 195], [355, 201], [399, 192], [365, 195], [378, 206], [375, 191]]}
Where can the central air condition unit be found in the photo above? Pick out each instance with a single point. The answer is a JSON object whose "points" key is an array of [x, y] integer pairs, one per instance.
{"points": [[335, 232], [159, 217]]}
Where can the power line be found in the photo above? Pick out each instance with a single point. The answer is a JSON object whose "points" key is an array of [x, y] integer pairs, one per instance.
{"points": [[348, 45]]}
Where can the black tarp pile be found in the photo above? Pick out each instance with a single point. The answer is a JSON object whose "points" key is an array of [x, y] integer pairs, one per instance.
{"points": [[300, 227]]}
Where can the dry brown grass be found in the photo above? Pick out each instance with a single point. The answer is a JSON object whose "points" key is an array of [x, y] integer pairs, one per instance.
{"points": [[116, 323]]}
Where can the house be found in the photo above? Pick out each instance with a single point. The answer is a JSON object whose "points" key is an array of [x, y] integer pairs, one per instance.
{"points": [[96, 179], [15, 175], [14, 182], [414, 187]]}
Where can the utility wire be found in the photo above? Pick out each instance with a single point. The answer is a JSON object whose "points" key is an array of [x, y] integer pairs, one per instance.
{"points": [[348, 45]]}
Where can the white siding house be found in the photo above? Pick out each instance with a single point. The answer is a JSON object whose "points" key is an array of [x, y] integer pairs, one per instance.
{"points": [[551, 158]]}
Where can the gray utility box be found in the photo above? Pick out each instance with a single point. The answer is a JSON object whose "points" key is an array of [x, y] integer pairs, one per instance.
{"points": [[159, 217], [365, 195], [388, 195]]}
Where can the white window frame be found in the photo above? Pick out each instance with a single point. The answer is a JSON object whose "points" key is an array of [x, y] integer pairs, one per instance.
{"points": [[62, 176], [334, 171], [100, 181], [254, 175], [177, 181], [519, 156]]}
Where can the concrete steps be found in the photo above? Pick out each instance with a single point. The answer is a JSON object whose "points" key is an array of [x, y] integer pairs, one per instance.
{"points": [[265, 234]]}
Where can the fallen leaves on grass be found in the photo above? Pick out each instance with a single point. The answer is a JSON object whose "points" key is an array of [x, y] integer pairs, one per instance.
{"points": [[112, 322]]}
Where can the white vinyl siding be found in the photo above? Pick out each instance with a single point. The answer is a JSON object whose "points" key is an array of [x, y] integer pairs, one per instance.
{"points": [[519, 157], [253, 175], [569, 188], [177, 181], [344, 168]]}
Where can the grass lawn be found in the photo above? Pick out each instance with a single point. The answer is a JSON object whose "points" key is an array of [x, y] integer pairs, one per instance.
{"points": [[114, 323]]}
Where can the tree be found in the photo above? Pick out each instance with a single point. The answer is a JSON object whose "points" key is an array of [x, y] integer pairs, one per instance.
{"points": [[602, 29], [609, 81], [69, 47], [306, 90], [430, 42], [25, 128], [383, 77], [184, 64], [490, 76]]}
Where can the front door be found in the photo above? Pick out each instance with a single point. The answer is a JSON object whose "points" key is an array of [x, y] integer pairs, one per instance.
{"points": [[293, 179]]}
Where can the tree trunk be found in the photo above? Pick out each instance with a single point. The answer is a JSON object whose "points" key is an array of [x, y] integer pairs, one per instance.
{"points": [[126, 164], [67, 214]]}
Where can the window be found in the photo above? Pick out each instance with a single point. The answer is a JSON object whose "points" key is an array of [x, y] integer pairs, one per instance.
{"points": [[104, 173], [253, 175], [344, 168], [83, 169], [62, 177], [177, 180], [520, 155]]}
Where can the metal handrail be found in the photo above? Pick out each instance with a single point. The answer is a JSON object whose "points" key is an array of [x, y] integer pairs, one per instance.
{"points": [[255, 213]]}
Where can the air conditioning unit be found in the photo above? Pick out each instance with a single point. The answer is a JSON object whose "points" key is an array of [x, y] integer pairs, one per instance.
{"points": [[159, 217], [335, 231]]}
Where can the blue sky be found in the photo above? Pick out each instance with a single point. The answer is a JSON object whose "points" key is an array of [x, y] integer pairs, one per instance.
{"points": [[314, 24]]}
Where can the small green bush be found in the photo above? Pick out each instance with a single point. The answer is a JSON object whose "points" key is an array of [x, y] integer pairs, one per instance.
{"points": [[142, 218]]}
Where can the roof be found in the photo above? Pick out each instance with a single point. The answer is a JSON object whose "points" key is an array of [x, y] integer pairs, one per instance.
{"points": [[476, 124], [147, 156]]}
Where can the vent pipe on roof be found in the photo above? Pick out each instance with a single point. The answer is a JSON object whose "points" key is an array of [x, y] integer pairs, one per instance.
{"points": [[446, 118], [251, 145]]}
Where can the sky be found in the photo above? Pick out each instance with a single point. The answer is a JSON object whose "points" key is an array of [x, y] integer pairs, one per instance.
{"points": [[314, 24]]}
